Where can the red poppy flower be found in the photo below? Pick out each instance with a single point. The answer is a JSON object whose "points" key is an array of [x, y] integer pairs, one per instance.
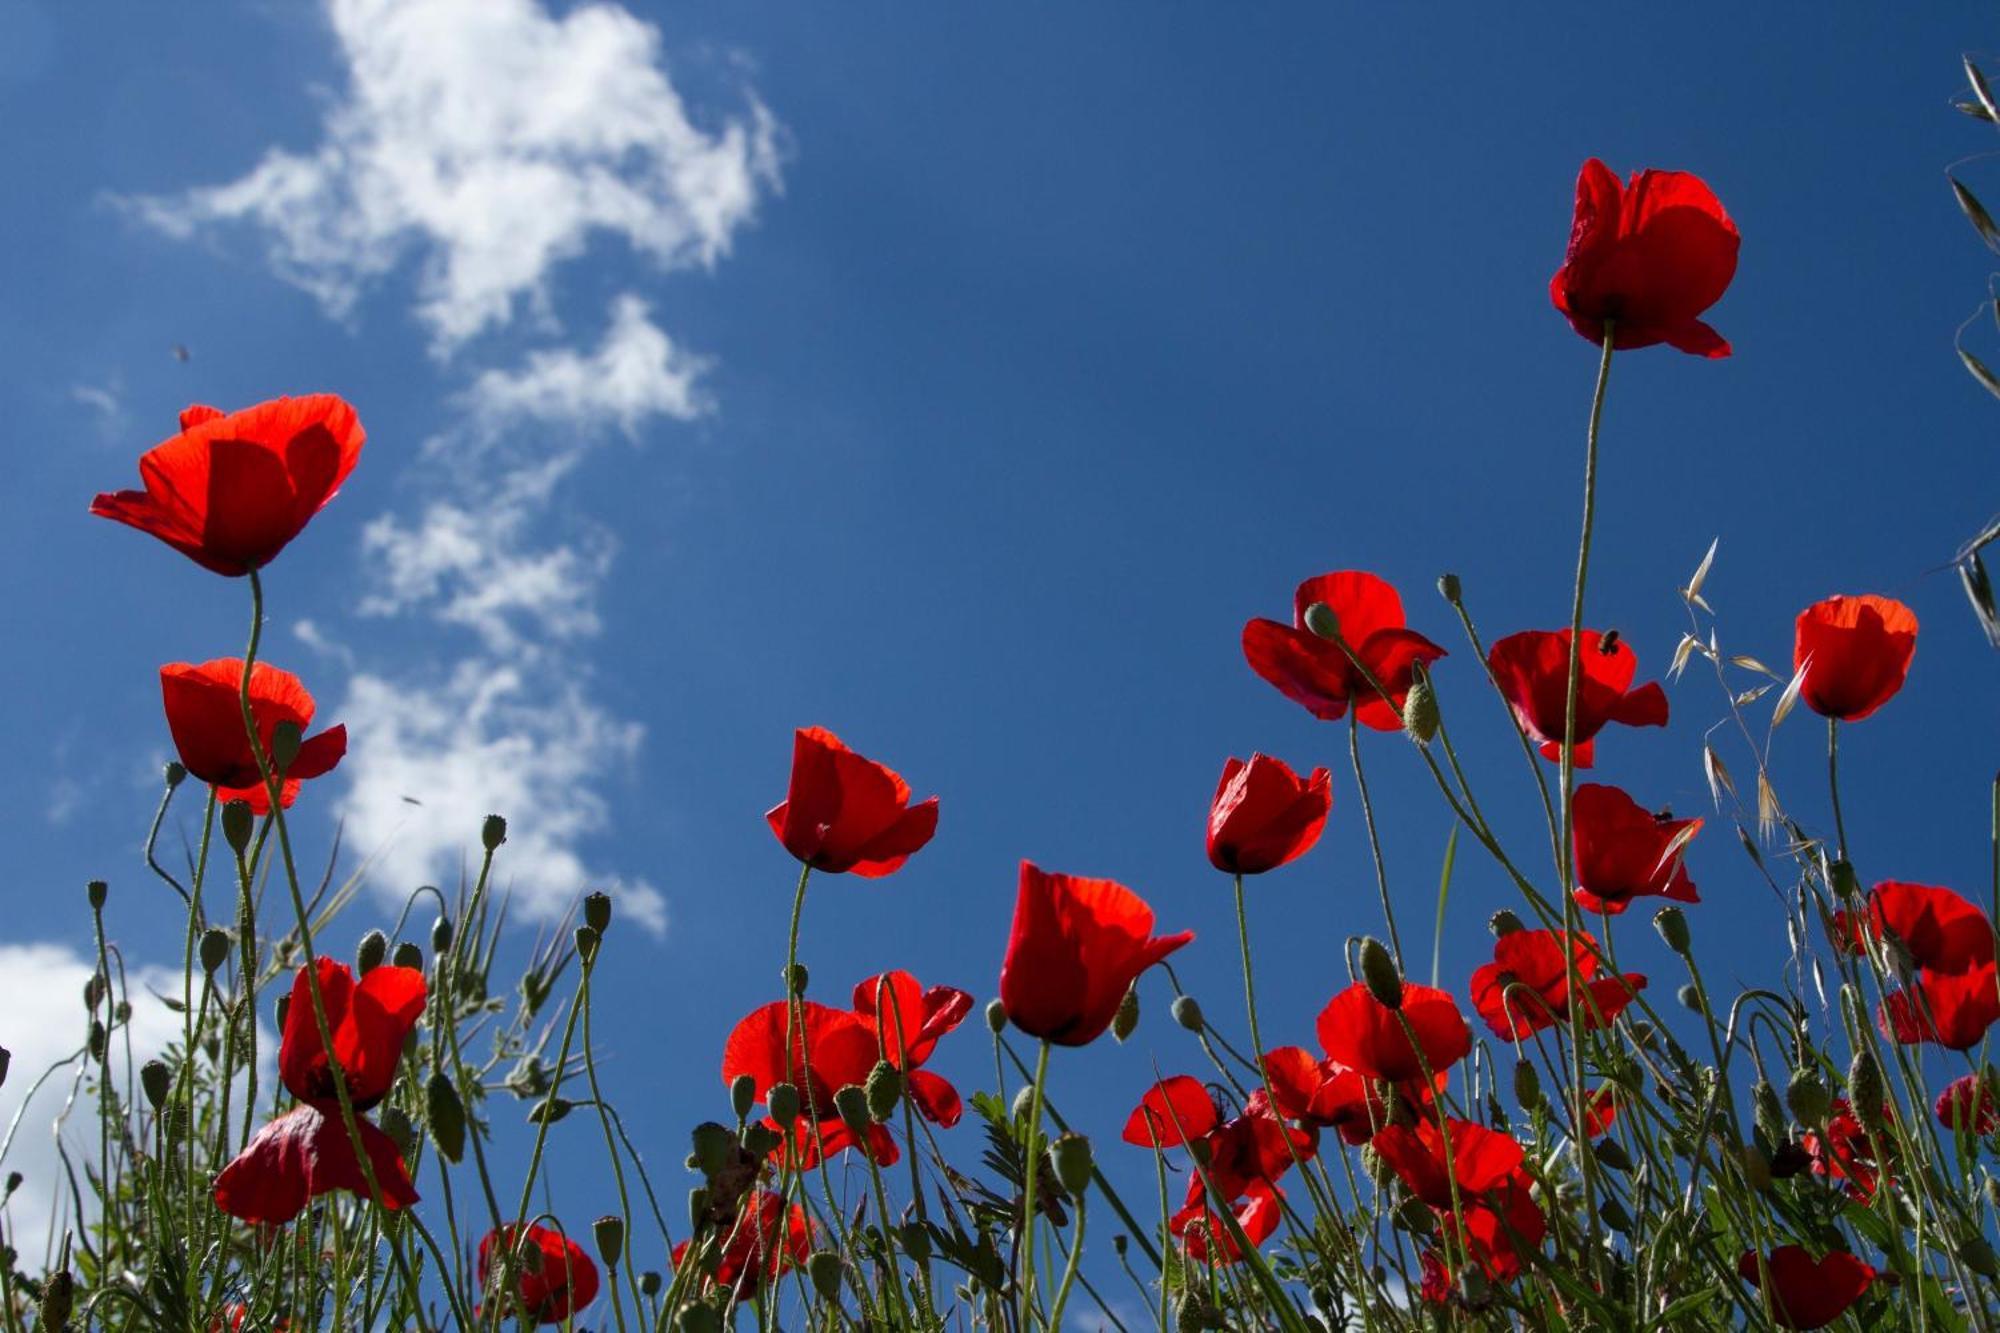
{"points": [[907, 1021], [1249, 1148], [1856, 653], [1436, 1287], [1942, 930], [230, 491], [1327, 1095], [232, 1315], [1951, 1009], [1968, 1103], [1623, 852], [1264, 815], [1076, 948], [846, 813], [753, 1250], [205, 715], [1805, 1292], [831, 1049], [1651, 255], [1600, 1110], [1361, 1033], [1532, 669], [553, 1282], [1503, 1231], [1480, 1159], [1208, 1238], [369, 1021], [1173, 1111], [1845, 1151], [1316, 674], [1526, 986], [301, 1155]]}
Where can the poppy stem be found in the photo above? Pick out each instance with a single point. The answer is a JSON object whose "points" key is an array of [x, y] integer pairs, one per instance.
{"points": [[1031, 1160], [1833, 782], [1374, 842]]}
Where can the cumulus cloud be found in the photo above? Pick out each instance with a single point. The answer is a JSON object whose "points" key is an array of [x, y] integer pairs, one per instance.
{"points": [[635, 373], [492, 141]]}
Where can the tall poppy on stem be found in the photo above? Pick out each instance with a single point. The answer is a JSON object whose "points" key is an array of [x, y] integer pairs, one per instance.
{"points": [[1953, 1010], [1318, 674], [1622, 851], [907, 1021], [1077, 946], [1527, 985], [205, 714], [1943, 930], [1359, 1032], [1649, 256], [1855, 653], [830, 1049], [1532, 670], [1807, 1292], [554, 1278], [1264, 815], [847, 813], [232, 489]]}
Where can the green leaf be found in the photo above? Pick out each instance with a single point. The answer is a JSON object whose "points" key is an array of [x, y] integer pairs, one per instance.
{"points": [[1444, 892]]}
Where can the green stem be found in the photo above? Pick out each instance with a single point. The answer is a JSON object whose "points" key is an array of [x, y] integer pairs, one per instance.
{"points": [[1374, 842], [1833, 782], [1031, 1158]]}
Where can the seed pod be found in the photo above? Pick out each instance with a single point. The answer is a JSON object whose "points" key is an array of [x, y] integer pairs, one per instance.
{"points": [[441, 935], [1503, 923], [650, 1283], [237, 825], [783, 1102], [884, 1090], [823, 1267], [851, 1104], [996, 1017], [609, 1233], [368, 955], [1321, 620], [1378, 971], [446, 1113], [587, 941], [1125, 1021], [597, 912], [743, 1095], [214, 949], [1807, 1096], [96, 891], [156, 1080], [1672, 925], [286, 738], [1420, 710], [1070, 1157], [176, 774], [492, 833], [407, 954]]}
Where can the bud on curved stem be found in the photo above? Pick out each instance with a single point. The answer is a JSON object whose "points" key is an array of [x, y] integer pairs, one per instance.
{"points": [[1379, 974]]}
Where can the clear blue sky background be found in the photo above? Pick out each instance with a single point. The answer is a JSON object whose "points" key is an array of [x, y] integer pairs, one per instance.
{"points": [[1075, 337]]}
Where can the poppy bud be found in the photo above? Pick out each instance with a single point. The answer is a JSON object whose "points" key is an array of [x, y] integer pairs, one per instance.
{"points": [[1414, 1216], [6, 1061], [884, 1090], [286, 738], [156, 1080], [1689, 997], [1126, 1021], [93, 991], [1378, 970], [743, 1095], [714, 1146], [609, 1233], [370, 953], [1121, 1243], [95, 891], [1672, 924], [1187, 1013], [550, 1111], [587, 941], [794, 979], [1756, 1167], [1448, 588], [996, 1017], [446, 1113], [281, 1010], [14, 1179], [1321, 620], [492, 833], [1420, 709], [58, 1291], [698, 1208], [823, 1267], [1992, 1188], [783, 1101], [760, 1140], [1615, 1216], [441, 935], [214, 949], [1527, 1085], [402, 1131], [1503, 923], [1070, 1157], [1807, 1097], [650, 1283], [851, 1104], [1196, 1315], [176, 773], [1864, 1088], [1976, 1254], [597, 912], [1845, 885], [1024, 1102], [1769, 1111], [237, 825], [1612, 1154], [407, 954], [1473, 1288], [97, 1041]]}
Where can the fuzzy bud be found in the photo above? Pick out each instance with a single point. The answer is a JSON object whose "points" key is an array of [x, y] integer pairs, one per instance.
{"points": [[823, 1267], [441, 935], [1321, 620], [783, 1101], [1378, 971], [1420, 710], [1756, 1167], [851, 1104], [99, 1040], [96, 891], [1070, 1158], [743, 1095], [794, 979], [407, 954], [1195, 1315], [492, 833], [286, 738], [237, 825], [58, 1293], [1689, 996], [157, 1081], [1024, 1102], [214, 949], [1612, 1154], [587, 941], [609, 1233], [402, 1131], [1672, 924], [597, 912], [550, 1111], [446, 1113], [368, 955], [1846, 886], [698, 1207], [1864, 1088], [996, 1017], [1503, 923], [1125, 1021], [1807, 1097], [884, 1091], [176, 773], [1187, 1013], [1448, 588], [1769, 1111], [650, 1284], [1527, 1085]]}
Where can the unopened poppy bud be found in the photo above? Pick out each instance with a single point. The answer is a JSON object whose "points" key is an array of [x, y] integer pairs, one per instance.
{"points": [[823, 1267], [156, 1080], [1378, 971], [370, 953], [58, 1292], [1321, 620], [996, 1017], [214, 949], [237, 825], [609, 1233], [93, 991], [492, 833], [407, 954], [1864, 1088], [1756, 1167], [1187, 1013], [597, 912], [1121, 1243], [97, 1041], [441, 935], [1615, 1216], [1527, 1085], [1612, 1154], [1414, 1216], [1807, 1096], [446, 1113], [851, 1104], [550, 1111], [885, 1091], [587, 941], [743, 1095], [714, 1147], [402, 1130], [6, 1062], [286, 738], [95, 891], [1976, 1254], [1689, 996], [650, 1284], [1672, 924], [1992, 1189], [1448, 588], [1767, 1109], [783, 1101], [1070, 1158], [1420, 710], [1503, 923], [1846, 885], [176, 773], [795, 979], [1195, 1315], [760, 1140], [1024, 1102], [14, 1179], [1125, 1021]]}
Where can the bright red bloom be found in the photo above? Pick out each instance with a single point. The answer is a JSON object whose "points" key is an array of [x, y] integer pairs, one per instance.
{"points": [[1361, 1033], [1173, 1111], [1076, 947], [846, 813], [1651, 255], [1250, 1148], [1436, 1287], [1845, 1151], [1600, 1110], [230, 491], [1264, 815], [1809, 1293], [1532, 669], [1502, 1232], [1943, 931], [1481, 1160], [301, 1155], [1624, 852], [1325, 1094], [369, 1021], [754, 1252], [1856, 653], [205, 715], [1316, 674], [1951, 1009], [831, 1049], [1208, 1238], [1526, 986], [1968, 1102], [907, 1021], [553, 1282]]}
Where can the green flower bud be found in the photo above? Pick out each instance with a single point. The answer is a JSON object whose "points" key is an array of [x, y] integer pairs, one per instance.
{"points": [[1378, 971], [1807, 1096], [156, 1080], [609, 1233], [823, 1267], [1975, 1253], [714, 1148], [58, 1292], [1195, 1315], [996, 1017], [1125, 1021], [176, 773], [1756, 1167], [1473, 1288], [1864, 1088], [1527, 1085], [441, 935], [1420, 710], [281, 1010], [743, 1095], [550, 1111], [237, 825], [1846, 886], [1503, 923], [1321, 620], [597, 912], [1414, 1216], [396, 1123], [884, 1091], [698, 1208], [1612, 1154], [96, 891], [1615, 1216], [1024, 1102], [97, 1041], [1689, 997], [1448, 588], [783, 1102], [851, 1104], [1770, 1112], [215, 944], [407, 954], [1186, 1012], [794, 979], [587, 941], [650, 1284], [445, 1111], [1070, 1157], [93, 991], [1672, 924], [286, 738], [916, 1241], [492, 833], [368, 955]]}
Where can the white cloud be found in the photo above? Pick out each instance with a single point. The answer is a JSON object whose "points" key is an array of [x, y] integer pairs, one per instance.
{"points": [[490, 739], [636, 372], [491, 140]]}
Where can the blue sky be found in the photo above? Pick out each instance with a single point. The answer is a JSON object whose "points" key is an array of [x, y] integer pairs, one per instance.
{"points": [[962, 379]]}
